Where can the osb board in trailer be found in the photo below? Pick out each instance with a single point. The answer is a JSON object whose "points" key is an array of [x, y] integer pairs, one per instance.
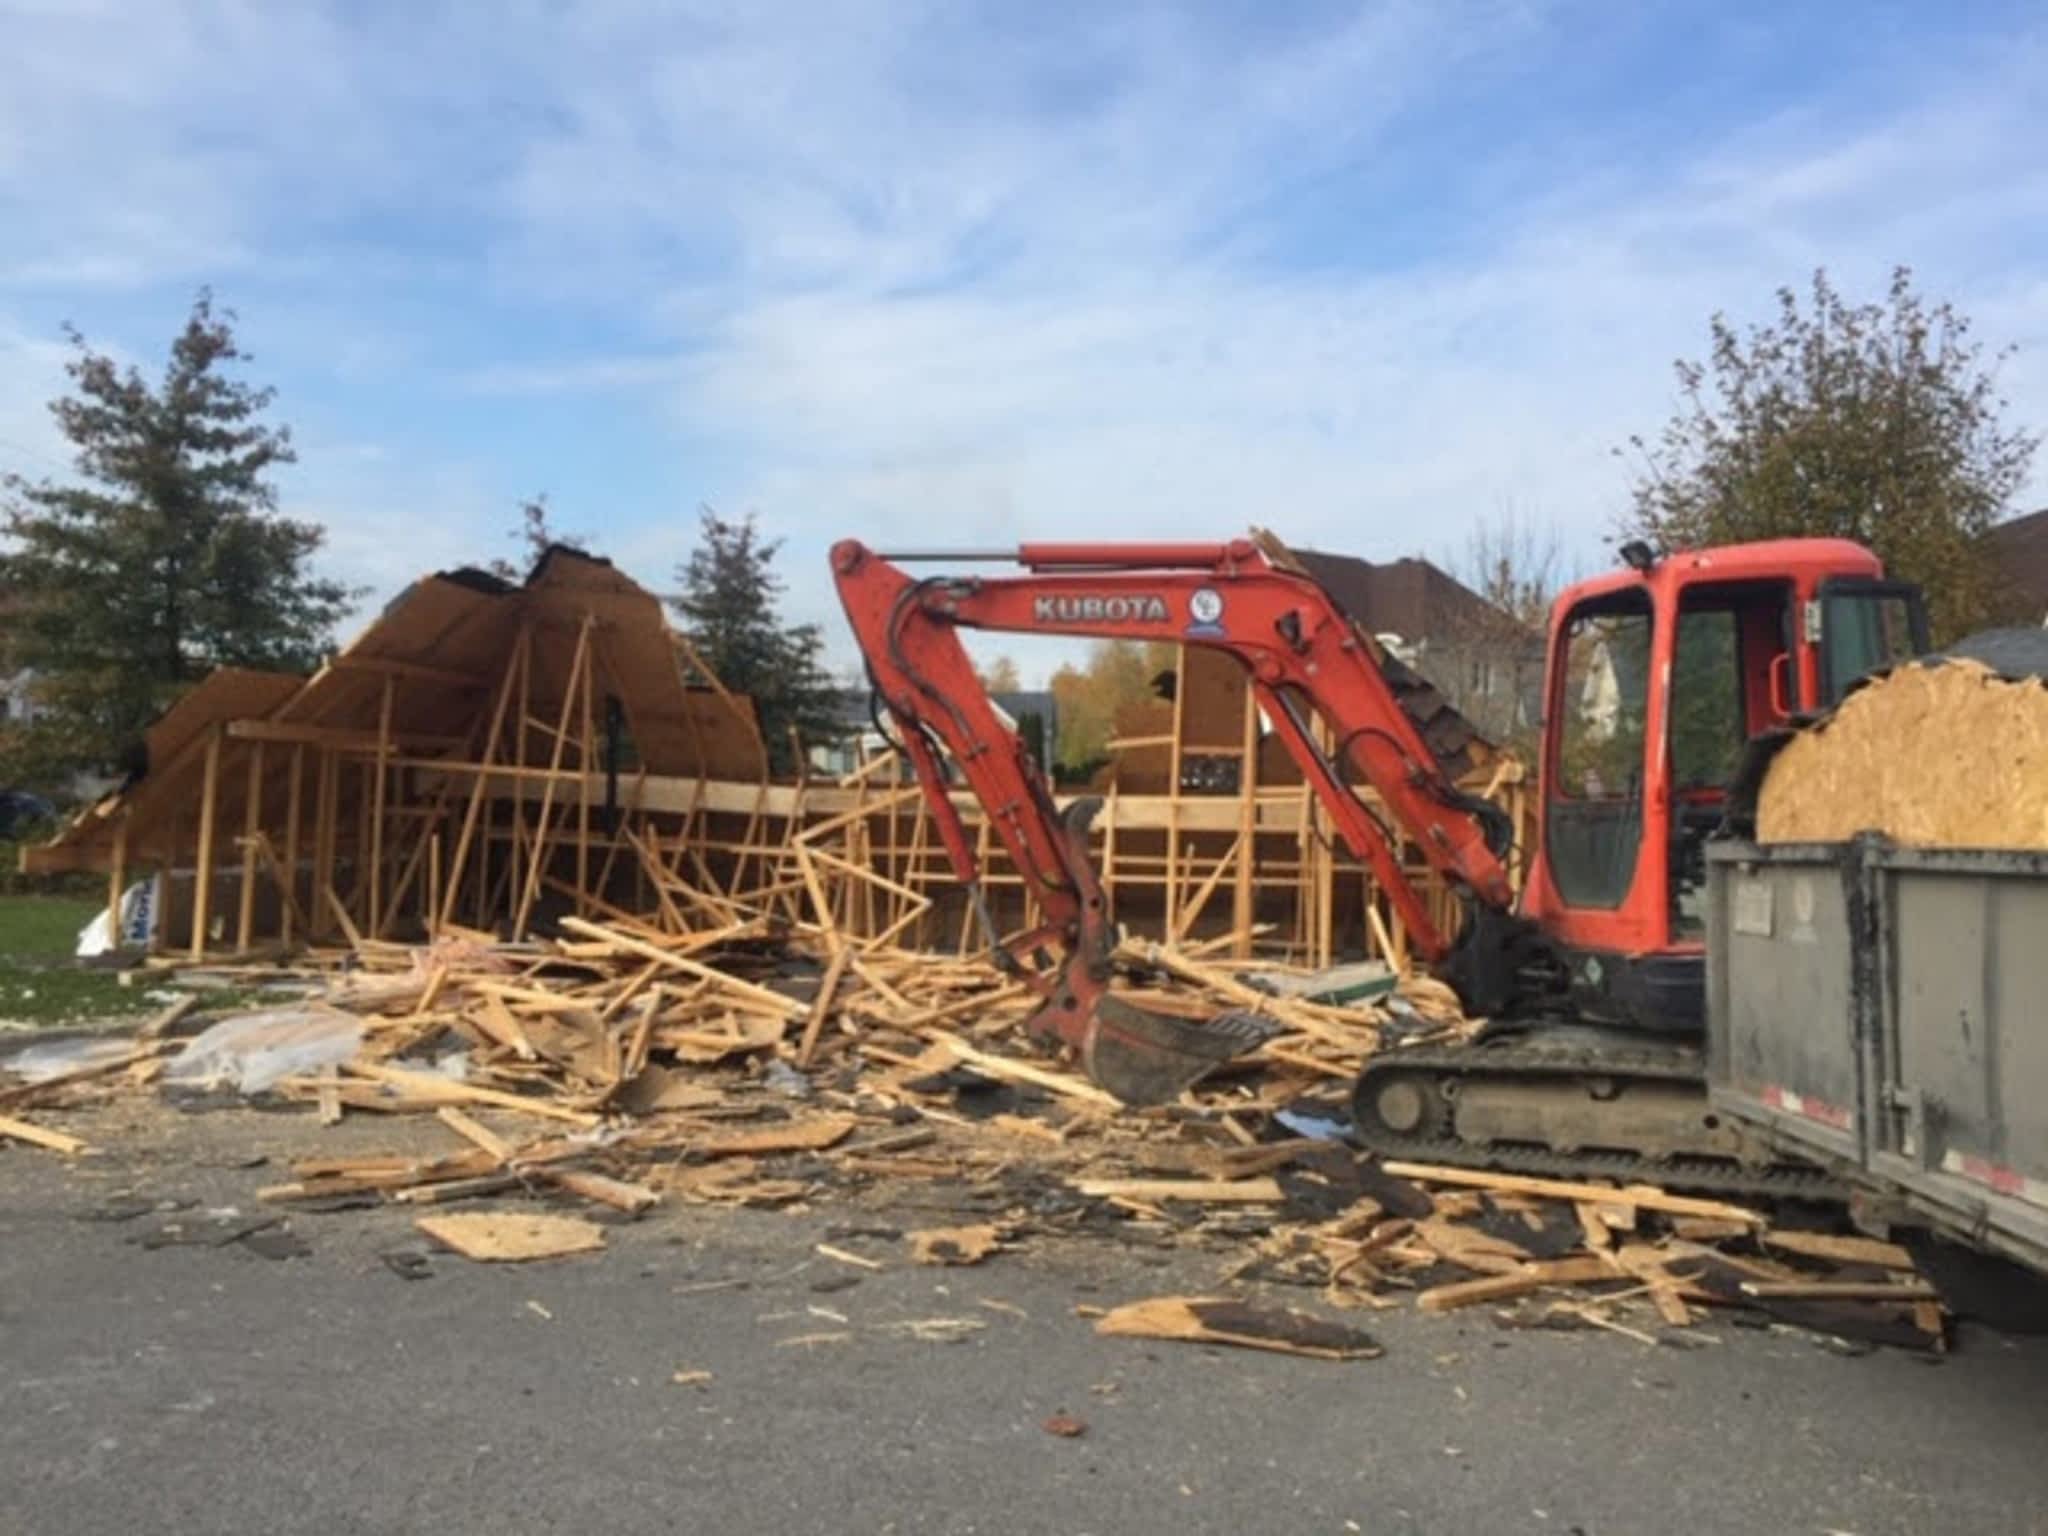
{"points": [[1941, 754]]}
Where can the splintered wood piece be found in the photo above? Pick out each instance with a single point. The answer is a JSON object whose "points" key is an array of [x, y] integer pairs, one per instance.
{"points": [[821, 1007], [508, 1237], [1670, 1304], [953, 1245], [1264, 1191], [473, 1131], [496, 1020], [41, 1136], [440, 1090], [1226, 1320], [811, 1135], [1840, 1250], [742, 1036], [616, 1193], [1531, 1277], [1639, 1196]]}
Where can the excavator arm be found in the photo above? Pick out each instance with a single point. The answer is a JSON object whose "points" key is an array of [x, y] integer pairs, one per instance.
{"points": [[1303, 656]]}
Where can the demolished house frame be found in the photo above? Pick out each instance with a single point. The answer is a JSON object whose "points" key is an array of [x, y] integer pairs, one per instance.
{"points": [[494, 756]]}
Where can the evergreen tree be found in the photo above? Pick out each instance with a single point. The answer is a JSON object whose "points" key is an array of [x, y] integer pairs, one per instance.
{"points": [[168, 558], [727, 608]]}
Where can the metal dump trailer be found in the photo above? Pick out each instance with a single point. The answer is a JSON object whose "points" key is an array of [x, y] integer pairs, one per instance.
{"points": [[1884, 1011]]}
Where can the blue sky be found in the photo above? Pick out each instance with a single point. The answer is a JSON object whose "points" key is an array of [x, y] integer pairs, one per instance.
{"points": [[974, 273]]}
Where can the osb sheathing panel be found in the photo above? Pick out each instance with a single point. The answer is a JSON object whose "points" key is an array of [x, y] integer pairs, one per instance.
{"points": [[1945, 754], [227, 693], [1213, 686]]}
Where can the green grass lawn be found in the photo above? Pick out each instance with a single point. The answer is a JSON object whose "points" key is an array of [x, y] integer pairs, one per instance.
{"points": [[40, 983]]}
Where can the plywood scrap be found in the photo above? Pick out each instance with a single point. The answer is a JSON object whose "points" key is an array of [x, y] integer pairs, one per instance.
{"points": [[512, 1237], [1226, 1320], [953, 1245]]}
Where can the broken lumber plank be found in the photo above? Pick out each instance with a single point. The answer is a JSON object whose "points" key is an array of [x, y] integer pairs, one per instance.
{"points": [[472, 1131], [1670, 1304], [821, 1006], [507, 1237], [427, 1087], [1226, 1320], [1532, 1277], [1475, 1250], [990, 1065], [496, 1021], [1640, 1196], [1260, 1191], [1840, 1290], [809, 1135], [789, 1007], [42, 1136], [1840, 1250]]}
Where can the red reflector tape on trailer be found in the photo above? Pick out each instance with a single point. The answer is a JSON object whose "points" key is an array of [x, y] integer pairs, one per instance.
{"points": [[2007, 1181], [1807, 1109]]}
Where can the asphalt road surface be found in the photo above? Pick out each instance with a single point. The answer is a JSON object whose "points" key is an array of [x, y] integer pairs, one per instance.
{"points": [[202, 1389]]}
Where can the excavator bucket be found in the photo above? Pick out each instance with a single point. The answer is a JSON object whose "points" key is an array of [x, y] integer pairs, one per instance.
{"points": [[1141, 1056], [1145, 1057]]}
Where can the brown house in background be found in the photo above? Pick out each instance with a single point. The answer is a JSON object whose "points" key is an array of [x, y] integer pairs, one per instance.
{"points": [[1486, 662], [2021, 549]]}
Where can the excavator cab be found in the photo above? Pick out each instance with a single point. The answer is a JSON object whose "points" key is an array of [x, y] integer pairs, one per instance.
{"points": [[1659, 677]]}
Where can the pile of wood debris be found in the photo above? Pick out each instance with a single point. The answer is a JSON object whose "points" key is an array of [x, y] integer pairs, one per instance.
{"points": [[623, 1065]]}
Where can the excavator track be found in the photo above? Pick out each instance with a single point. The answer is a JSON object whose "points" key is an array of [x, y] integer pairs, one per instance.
{"points": [[1570, 1101]]}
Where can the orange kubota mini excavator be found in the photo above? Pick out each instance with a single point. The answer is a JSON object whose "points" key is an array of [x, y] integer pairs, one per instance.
{"points": [[1657, 677]]}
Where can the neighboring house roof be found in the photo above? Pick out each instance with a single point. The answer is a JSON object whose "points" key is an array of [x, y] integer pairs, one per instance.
{"points": [[2021, 548], [1410, 598]]}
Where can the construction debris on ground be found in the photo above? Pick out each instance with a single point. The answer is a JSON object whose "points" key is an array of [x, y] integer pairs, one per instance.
{"points": [[626, 1064]]}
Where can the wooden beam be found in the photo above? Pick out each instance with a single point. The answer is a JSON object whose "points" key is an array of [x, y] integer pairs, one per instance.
{"points": [[821, 1006], [252, 823], [451, 888], [292, 807], [1642, 1196], [377, 797], [578, 665], [202, 880], [117, 882], [326, 800]]}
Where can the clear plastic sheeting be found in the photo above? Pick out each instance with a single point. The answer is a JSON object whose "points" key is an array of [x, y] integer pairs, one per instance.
{"points": [[46, 1059], [255, 1051]]}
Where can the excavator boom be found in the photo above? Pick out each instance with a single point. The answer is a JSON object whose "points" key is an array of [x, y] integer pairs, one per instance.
{"points": [[1302, 655]]}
